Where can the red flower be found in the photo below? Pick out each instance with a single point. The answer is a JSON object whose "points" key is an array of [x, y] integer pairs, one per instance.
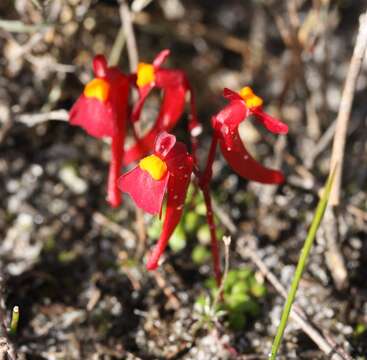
{"points": [[102, 111], [168, 170], [175, 86], [226, 123]]}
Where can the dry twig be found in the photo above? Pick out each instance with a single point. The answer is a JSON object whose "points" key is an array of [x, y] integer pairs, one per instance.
{"points": [[129, 35], [333, 255], [117, 229], [343, 117], [167, 290], [35, 119]]}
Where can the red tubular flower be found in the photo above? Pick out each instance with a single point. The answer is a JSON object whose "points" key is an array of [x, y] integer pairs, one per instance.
{"points": [[226, 123], [175, 86], [168, 170], [102, 111]]}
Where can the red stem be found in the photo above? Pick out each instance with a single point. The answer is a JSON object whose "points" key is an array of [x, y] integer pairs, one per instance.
{"points": [[208, 172], [194, 124], [213, 235], [204, 181], [117, 148]]}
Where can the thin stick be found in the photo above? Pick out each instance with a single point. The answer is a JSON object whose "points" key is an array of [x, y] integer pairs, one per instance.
{"points": [[102, 220], [117, 47], [37, 118], [37, 4], [325, 140], [167, 290], [17, 26], [321, 145], [219, 295], [129, 35], [346, 106]]}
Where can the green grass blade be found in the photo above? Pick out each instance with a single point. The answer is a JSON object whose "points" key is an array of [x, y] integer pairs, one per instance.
{"points": [[14, 321], [319, 214]]}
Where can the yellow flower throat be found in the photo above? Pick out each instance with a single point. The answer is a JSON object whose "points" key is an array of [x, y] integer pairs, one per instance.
{"points": [[155, 166]]}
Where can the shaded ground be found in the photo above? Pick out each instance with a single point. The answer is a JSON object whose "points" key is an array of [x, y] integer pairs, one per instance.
{"points": [[76, 268]]}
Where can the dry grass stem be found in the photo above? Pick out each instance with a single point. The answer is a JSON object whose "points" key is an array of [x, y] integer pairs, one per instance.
{"points": [[343, 117], [132, 49]]}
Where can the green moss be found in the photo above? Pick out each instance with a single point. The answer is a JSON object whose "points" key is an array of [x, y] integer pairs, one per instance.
{"points": [[241, 297], [200, 254], [67, 256]]}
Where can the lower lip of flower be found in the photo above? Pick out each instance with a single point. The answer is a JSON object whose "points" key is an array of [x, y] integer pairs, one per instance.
{"points": [[154, 165]]}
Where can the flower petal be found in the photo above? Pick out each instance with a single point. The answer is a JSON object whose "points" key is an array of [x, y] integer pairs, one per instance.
{"points": [[102, 111], [143, 94], [100, 66], [226, 125], [164, 143], [245, 165], [180, 165], [171, 109], [147, 193], [161, 57], [103, 118], [272, 124], [231, 95], [97, 118]]}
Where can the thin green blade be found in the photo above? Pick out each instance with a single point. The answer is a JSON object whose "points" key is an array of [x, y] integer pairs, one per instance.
{"points": [[319, 214]]}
